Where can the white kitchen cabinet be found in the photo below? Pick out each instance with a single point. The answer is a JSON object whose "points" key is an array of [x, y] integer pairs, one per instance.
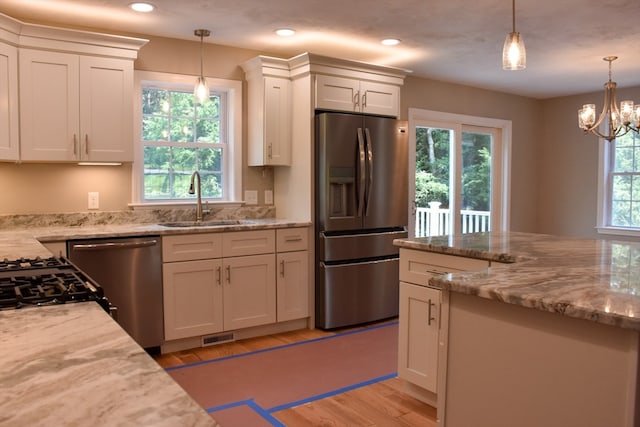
{"points": [[9, 132], [354, 95], [423, 317], [216, 282], [193, 298], [75, 107], [249, 291], [420, 318], [269, 112], [292, 262]]}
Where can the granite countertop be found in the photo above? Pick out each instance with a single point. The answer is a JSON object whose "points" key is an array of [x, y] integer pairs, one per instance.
{"points": [[597, 280], [72, 365], [25, 241]]}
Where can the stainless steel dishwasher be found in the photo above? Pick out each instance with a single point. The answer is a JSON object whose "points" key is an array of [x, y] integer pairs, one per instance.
{"points": [[130, 272]]}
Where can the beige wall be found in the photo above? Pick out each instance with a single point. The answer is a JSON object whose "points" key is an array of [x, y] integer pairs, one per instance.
{"points": [[568, 162], [524, 114]]}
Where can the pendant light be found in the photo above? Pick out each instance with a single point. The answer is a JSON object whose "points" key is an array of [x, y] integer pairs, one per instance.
{"points": [[514, 56], [201, 90]]}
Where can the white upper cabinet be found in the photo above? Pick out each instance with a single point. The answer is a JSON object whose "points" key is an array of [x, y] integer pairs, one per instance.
{"points": [[269, 112], [75, 108], [8, 102], [75, 97], [353, 95]]}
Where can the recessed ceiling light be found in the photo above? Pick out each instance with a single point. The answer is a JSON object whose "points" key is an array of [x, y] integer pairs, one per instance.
{"points": [[142, 7], [285, 32], [390, 42]]}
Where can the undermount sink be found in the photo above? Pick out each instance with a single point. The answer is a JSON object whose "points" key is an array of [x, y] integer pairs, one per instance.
{"points": [[210, 223]]}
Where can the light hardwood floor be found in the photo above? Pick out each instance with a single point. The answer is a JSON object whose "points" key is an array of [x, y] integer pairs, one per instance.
{"points": [[382, 404]]}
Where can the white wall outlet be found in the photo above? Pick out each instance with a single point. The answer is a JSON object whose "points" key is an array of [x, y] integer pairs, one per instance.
{"points": [[94, 200], [268, 197], [251, 197]]}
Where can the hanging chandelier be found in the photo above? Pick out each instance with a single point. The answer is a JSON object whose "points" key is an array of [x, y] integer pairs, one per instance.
{"points": [[619, 121], [514, 56], [201, 90]]}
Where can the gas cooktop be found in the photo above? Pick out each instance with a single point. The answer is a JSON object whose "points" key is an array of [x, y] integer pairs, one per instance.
{"points": [[46, 281]]}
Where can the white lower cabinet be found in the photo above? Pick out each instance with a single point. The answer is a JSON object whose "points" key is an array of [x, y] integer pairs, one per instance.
{"points": [[292, 262], [208, 290], [249, 291], [423, 317], [418, 335], [193, 298]]}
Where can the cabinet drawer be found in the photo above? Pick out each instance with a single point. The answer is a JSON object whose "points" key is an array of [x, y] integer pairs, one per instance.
{"points": [[241, 243], [191, 247], [418, 266], [291, 239]]}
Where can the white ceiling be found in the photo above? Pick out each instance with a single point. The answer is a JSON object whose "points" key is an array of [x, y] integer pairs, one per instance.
{"points": [[451, 40]]}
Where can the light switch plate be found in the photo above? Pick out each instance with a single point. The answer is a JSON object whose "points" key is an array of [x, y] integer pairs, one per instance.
{"points": [[268, 197], [251, 197], [94, 200]]}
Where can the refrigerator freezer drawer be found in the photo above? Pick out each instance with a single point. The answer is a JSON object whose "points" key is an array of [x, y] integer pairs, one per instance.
{"points": [[349, 294], [359, 246]]}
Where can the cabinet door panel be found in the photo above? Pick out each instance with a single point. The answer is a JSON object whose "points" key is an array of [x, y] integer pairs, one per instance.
{"points": [[418, 335], [106, 109], [240, 243], [187, 247], [378, 98], [337, 93], [8, 102], [249, 291], [192, 298], [49, 105], [293, 285], [277, 128]]}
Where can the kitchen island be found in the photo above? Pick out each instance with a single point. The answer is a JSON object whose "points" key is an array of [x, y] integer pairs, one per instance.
{"points": [[72, 365], [545, 334]]}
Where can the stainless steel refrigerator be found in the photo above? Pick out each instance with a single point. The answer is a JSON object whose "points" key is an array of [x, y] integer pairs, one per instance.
{"points": [[361, 206]]}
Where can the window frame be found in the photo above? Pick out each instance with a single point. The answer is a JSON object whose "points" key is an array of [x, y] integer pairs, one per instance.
{"points": [[232, 166], [605, 177]]}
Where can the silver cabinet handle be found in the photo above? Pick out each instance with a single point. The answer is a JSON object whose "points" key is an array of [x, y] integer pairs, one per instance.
{"points": [[364, 101], [228, 274], [86, 145], [293, 239], [356, 99], [75, 145], [282, 268], [269, 151], [219, 274], [430, 314], [106, 246]]}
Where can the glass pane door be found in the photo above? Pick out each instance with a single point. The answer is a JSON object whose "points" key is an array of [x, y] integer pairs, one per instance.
{"points": [[453, 180], [475, 208], [432, 181]]}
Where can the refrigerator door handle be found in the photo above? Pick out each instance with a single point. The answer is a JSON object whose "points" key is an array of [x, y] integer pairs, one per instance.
{"points": [[369, 186], [362, 172]]}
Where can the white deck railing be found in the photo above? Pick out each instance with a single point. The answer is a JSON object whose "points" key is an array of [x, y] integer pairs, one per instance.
{"points": [[433, 221]]}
